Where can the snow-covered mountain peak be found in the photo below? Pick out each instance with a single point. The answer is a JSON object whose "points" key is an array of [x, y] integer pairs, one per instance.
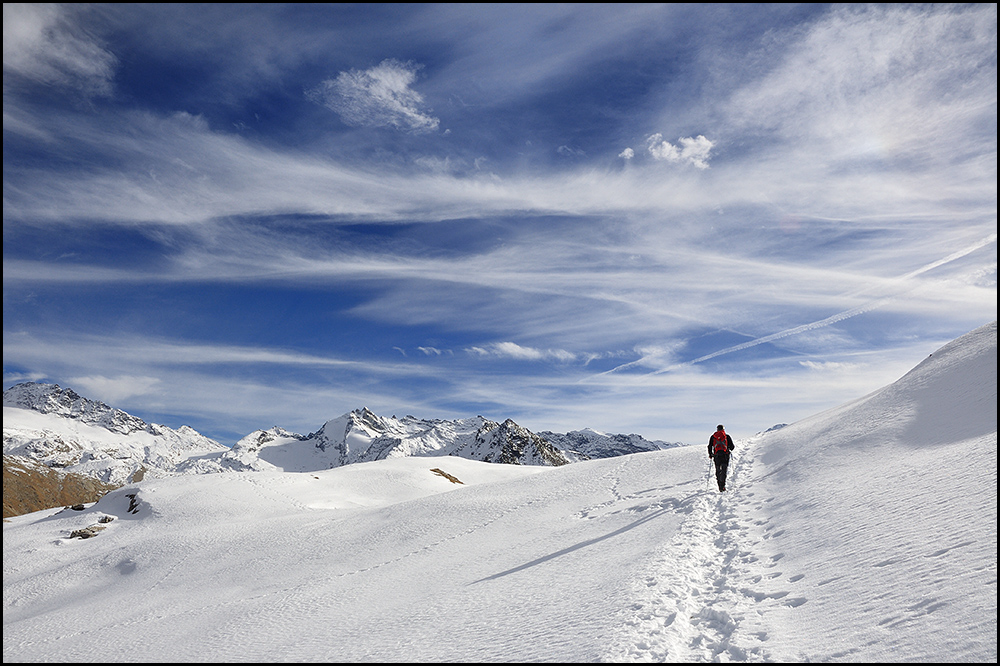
{"points": [[53, 399], [511, 443], [363, 436], [587, 444], [61, 429], [366, 419]]}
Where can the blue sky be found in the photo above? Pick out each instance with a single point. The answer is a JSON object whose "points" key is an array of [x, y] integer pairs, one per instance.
{"points": [[632, 218]]}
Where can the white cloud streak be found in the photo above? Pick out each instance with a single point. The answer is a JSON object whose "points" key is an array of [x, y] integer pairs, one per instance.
{"points": [[886, 86], [114, 390], [512, 350], [434, 351], [846, 314], [145, 352]]}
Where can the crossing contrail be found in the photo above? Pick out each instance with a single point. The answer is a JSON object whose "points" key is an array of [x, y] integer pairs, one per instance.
{"points": [[840, 316], [833, 319]]}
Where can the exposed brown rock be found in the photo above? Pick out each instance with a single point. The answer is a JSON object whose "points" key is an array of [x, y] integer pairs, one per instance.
{"points": [[87, 532], [446, 475], [30, 486]]}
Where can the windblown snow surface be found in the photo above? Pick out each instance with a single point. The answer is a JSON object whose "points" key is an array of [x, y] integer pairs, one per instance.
{"points": [[864, 533]]}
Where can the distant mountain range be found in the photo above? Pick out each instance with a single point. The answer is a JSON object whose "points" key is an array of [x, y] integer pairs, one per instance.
{"points": [[45, 424]]}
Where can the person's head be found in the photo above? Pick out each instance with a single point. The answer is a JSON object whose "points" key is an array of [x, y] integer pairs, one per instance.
{"points": [[720, 428]]}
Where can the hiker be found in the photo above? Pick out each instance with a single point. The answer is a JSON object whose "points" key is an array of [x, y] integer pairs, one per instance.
{"points": [[719, 446]]}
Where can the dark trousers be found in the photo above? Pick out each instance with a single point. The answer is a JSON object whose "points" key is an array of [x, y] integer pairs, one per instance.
{"points": [[721, 467]]}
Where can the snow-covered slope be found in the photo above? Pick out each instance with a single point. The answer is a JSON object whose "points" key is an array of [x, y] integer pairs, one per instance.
{"points": [[884, 512], [60, 429], [866, 533]]}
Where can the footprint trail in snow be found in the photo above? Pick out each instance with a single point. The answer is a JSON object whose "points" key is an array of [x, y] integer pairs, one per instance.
{"points": [[698, 602]]}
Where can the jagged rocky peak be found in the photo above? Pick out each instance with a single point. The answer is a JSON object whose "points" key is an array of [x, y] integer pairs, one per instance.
{"points": [[588, 444], [53, 399], [49, 399], [371, 422], [362, 435], [512, 444], [366, 416]]}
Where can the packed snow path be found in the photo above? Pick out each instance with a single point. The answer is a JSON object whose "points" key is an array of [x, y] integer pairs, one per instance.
{"points": [[893, 559], [693, 605], [864, 533]]}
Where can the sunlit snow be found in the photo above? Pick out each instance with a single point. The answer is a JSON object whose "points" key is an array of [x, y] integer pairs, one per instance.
{"points": [[864, 533]]}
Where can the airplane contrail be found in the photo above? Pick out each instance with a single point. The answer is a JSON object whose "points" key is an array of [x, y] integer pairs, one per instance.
{"points": [[840, 316], [833, 319]]}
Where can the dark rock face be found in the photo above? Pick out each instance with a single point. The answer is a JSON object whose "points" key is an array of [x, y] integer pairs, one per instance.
{"points": [[510, 444]]}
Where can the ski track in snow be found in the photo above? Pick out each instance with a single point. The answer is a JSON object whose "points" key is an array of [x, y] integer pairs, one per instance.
{"points": [[698, 602]]}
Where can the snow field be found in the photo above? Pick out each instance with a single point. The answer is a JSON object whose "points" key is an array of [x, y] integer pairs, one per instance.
{"points": [[865, 533]]}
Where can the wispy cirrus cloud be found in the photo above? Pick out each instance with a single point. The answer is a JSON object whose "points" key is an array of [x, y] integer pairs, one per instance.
{"points": [[115, 389], [874, 92], [380, 96], [42, 43], [800, 164], [434, 351]]}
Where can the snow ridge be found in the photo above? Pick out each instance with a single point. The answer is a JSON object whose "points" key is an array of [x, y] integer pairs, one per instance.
{"points": [[589, 444], [61, 429], [363, 436], [52, 399]]}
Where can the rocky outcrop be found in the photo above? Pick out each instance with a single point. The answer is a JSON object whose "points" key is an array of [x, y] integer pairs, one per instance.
{"points": [[53, 399], [29, 486], [510, 444]]}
